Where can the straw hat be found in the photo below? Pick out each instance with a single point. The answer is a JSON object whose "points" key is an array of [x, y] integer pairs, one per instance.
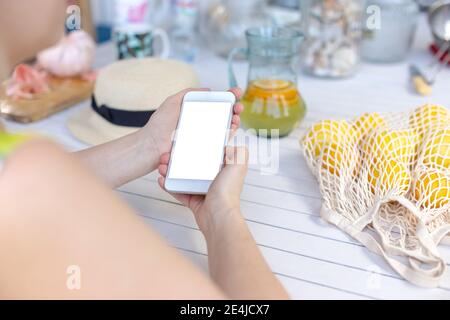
{"points": [[126, 93]]}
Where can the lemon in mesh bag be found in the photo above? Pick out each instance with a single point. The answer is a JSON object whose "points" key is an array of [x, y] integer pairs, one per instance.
{"points": [[436, 150], [426, 119], [388, 156], [368, 122], [388, 191], [340, 158], [392, 176], [332, 144], [432, 189], [385, 144], [429, 116], [326, 132]]}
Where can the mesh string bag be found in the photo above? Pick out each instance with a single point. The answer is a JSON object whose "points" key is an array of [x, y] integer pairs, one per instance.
{"points": [[385, 180]]}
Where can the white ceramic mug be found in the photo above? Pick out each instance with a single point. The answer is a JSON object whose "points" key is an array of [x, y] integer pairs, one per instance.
{"points": [[137, 41]]}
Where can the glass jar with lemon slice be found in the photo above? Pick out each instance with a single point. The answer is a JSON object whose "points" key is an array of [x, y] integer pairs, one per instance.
{"points": [[272, 101]]}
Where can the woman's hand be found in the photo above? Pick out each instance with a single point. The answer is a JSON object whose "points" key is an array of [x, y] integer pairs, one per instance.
{"points": [[222, 202], [235, 263], [111, 161], [164, 121]]}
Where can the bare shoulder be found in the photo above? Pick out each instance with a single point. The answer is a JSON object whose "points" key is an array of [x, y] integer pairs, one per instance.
{"points": [[32, 156], [33, 165]]}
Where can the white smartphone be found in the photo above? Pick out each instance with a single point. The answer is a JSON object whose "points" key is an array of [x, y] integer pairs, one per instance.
{"points": [[199, 142]]}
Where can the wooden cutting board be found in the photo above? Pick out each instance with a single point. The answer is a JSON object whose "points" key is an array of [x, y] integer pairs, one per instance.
{"points": [[64, 92]]}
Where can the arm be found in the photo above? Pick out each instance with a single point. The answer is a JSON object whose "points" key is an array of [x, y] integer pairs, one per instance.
{"points": [[137, 154], [74, 221], [235, 262], [237, 265], [123, 160]]}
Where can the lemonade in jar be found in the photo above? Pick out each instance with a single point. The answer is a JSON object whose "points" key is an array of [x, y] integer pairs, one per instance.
{"points": [[272, 102]]}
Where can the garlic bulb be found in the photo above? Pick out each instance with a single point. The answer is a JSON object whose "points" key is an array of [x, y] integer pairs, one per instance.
{"points": [[72, 56]]}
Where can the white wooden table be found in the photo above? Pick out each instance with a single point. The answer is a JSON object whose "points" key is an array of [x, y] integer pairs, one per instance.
{"points": [[312, 259]]}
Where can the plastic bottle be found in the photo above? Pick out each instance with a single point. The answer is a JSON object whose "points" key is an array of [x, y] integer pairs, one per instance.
{"points": [[183, 30]]}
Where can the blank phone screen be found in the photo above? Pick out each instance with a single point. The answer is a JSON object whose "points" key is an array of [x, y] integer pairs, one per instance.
{"points": [[198, 150]]}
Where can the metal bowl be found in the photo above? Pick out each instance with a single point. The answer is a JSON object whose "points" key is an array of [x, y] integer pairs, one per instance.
{"points": [[439, 20]]}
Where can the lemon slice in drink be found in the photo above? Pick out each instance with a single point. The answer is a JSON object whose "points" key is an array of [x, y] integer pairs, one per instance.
{"points": [[271, 84]]}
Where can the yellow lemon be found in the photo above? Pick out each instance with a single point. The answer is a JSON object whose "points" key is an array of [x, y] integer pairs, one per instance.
{"points": [[395, 176], [432, 189], [368, 122], [339, 157], [272, 84], [429, 116], [391, 175], [325, 132], [437, 150], [386, 144], [374, 175]]}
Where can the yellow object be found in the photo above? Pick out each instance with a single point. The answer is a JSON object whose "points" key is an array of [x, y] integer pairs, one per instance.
{"points": [[437, 150], [428, 117], [325, 132], [272, 104], [271, 84], [390, 175], [421, 86], [374, 175], [395, 144], [367, 123], [432, 190], [395, 176], [336, 158], [9, 142]]}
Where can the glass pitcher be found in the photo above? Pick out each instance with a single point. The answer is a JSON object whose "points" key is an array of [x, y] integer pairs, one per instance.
{"points": [[272, 100]]}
